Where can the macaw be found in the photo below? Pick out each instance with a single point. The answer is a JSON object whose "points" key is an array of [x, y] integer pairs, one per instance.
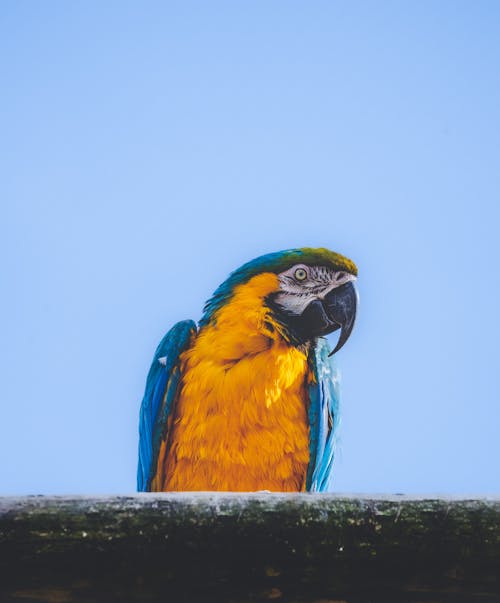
{"points": [[248, 400]]}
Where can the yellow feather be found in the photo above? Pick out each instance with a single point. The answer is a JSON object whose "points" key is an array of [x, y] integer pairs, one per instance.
{"points": [[241, 415]]}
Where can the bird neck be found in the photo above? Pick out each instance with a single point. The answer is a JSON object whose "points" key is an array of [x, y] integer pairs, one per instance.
{"points": [[245, 325]]}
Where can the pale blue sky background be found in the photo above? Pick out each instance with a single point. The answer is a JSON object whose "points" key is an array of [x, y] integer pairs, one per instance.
{"points": [[149, 148]]}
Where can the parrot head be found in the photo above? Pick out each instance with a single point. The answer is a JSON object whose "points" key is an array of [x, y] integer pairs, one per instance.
{"points": [[314, 294]]}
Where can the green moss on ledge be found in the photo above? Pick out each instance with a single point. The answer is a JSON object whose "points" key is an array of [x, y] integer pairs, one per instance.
{"points": [[249, 547]]}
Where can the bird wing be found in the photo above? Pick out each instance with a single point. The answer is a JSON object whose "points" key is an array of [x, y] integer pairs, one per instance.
{"points": [[161, 388], [323, 418]]}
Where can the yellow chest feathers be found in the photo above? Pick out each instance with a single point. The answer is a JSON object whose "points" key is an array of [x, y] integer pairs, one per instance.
{"points": [[240, 421]]}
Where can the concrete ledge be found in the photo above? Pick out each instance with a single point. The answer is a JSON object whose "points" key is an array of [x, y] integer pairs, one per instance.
{"points": [[249, 547]]}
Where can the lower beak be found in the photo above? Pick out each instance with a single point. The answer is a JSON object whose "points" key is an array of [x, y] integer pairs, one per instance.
{"points": [[340, 307]]}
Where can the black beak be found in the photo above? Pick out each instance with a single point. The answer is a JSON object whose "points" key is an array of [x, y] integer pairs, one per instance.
{"points": [[340, 307], [337, 310]]}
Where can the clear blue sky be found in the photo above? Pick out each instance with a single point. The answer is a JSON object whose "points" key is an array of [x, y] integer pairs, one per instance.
{"points": [[149, 148]]}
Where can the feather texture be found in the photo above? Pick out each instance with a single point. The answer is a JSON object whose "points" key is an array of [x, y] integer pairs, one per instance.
{"points": [[239, 405], [161, 388], [240, 421], [324, 416]]}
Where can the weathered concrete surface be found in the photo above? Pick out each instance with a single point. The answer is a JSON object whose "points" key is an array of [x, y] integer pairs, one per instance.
{"points": [[249, 547]]}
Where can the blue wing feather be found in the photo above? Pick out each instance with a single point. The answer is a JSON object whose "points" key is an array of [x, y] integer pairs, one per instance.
{"points": [[323, 419], [161, 387]]}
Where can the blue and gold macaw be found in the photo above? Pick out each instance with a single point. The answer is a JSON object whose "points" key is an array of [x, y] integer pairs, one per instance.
{"points": [[248, 400]]}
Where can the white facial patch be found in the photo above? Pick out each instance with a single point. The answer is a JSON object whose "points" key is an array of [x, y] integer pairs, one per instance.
{"points": [[301, 284]]}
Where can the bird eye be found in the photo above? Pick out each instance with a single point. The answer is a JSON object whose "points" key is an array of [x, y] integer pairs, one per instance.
{"points": [[300, 274]]}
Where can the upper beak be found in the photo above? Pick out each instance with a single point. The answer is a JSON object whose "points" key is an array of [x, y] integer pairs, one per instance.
{"points": [[340, 306]]}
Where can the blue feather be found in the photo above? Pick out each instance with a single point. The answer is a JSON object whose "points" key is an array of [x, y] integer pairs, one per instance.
{"points": [[161, 386], [323, 418]]}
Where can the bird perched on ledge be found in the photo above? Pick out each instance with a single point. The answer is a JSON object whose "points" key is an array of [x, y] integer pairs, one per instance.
{"points": [[248, 400]]}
